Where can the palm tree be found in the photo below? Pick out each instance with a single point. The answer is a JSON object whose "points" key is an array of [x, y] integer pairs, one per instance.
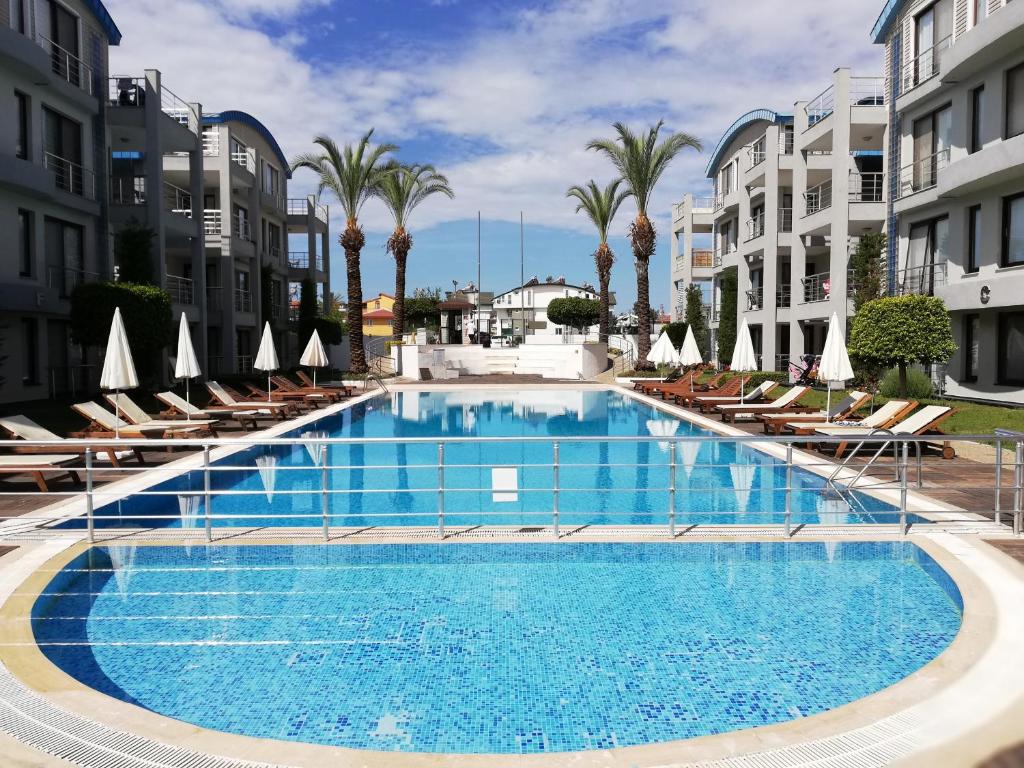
{"points": [[402, 189], [641, 161], [353, 174], [601, 207]]}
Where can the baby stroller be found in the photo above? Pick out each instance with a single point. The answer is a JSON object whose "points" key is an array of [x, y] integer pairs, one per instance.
{"points": [[807, 373]]}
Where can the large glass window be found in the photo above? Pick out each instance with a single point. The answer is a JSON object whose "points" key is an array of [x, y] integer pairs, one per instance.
{"points": [[271, 179], [1011, 348], [977, 113], [62, 143], [971, 346], [21, 143], [65, 258], [974, 236], [932, 136], [1013, 230], [24, 243], [928, 251], [1015, 101]]}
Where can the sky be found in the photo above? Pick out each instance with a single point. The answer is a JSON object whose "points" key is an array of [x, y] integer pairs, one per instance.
{"points": [[502, 97]]}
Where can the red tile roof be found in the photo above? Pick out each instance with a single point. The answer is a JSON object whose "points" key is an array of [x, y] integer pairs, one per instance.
{"points": [[380, 313]]}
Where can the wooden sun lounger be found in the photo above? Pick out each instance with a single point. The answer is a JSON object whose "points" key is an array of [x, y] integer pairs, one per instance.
{"points": [[231, 399], [23, 428], [707, 403], [788, 402], [731, 388], [925, 422], [339, 386], [296, 399], [103, 423], [134, 414], [36, 465], [288, 385], [776, 423], [666, 391], [177, 406]]}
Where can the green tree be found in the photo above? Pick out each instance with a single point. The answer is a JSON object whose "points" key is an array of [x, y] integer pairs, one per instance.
{"points": [[676, 333], [574, 312], [145, 309], [133, 253], [422, 310], [867, 263], [308, 310], [353, 174], [641, 161], [601, 207], [402, 189], [899, 331], [695, 317], [729, 287]]}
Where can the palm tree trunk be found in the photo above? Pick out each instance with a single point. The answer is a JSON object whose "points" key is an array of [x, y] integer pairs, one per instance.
{"points": [[603, 258], [643, 238], [352, 241], [400, 243]]}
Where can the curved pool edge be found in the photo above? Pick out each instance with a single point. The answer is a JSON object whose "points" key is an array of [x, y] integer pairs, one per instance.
{"points": [[974, 640]]}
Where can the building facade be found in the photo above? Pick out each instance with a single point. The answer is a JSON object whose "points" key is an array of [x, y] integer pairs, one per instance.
{"points": [[379, 316], [955, 82], [526, 307], [791, 196]]}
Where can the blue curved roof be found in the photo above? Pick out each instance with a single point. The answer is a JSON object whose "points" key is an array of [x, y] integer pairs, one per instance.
{"points": [[734, 130], [235, 116], [885, 19], [106, 21]]}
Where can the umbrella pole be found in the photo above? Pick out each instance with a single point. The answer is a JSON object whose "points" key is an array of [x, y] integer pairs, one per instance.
{"points": [[828, 401], [314, 378], [268, 386], [117, 414], [188, 413]]}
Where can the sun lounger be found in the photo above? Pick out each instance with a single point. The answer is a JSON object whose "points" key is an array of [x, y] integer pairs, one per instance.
{"points": [[297, 399], [882, 418], [707, 403], [103, 423], [682, 386], [674, 376], [35, 464], [776, 423], [345, 389], [176, 404], [731, 388], [925, 422], [787, 402], [23, 428], [134, 414], [228, 398], [288, 385]]}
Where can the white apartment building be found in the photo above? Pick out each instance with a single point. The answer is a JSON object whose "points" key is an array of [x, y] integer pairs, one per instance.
{"points": [[955, 80], [792, 194], [527, 306], [53, 185]]}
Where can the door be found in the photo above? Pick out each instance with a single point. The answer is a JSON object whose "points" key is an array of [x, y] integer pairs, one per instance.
{"points": [[62, 145], [64, 52]]}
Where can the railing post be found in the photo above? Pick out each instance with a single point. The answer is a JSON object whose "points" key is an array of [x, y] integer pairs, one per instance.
{"points": [[440, 490], [903, 488], [1018, 487], [789, 490], [206, 493], [88, 495], [999, 481], [554, 487], [672, 489], [323, 492]]}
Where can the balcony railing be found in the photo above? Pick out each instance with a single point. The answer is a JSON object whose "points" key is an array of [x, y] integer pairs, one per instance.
{"points": [[921, 280], [243, 364], [71, 177], [705, 309], [867, 187], [716, 313], [240, 227], [784, 296], [214, 300], [211, 142], [299, 206], [126, 91], [181, 289], [212, 222], [785, 219], [128, 190], [298, 259], [755, 227], [785, 142], [703, 259], [867, 91], [178, 109], [243, 300], [703, 203], [816, 287], [924, 66], [758, 151], [719, 202], [177, 200], [68, 66], [66, 279], [755, 299], [821, 106], [922, 174], [818, 198], [244, 157]]}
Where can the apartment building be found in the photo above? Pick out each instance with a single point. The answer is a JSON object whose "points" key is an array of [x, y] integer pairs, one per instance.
{"points": [[955, 84], [792, 194], [529, 304], [53, 185], [379, 316]]}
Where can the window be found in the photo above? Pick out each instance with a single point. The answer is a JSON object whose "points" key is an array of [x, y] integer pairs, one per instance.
{"points": [[64, 53], [62, 144], [978, 11], [24, 243], [1011, 348], [977, 112], [932, 29], [21, 144], [928, 251], [1013, 230], [970, 346], [271, 179], [932, 134], [1015, 101], [18, 18], [973, 239], [65, 258], [30, 351]]}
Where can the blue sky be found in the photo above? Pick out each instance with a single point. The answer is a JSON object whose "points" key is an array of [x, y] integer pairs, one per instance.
{"points": [[502, 97]]}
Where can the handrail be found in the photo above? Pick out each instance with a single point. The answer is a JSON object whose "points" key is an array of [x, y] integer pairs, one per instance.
{"points": [[922, 174], [70, 176], [924, 66], [818, 198], [68, 66]]}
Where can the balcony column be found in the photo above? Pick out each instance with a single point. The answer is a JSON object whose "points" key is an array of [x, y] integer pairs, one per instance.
{"points": [[742, 236], [687, 245], [325, 249], [197, 245], [798, 249], [311, 244], [842, 165], [153, 163], [226, 269], [259, 247], [770, 277]]}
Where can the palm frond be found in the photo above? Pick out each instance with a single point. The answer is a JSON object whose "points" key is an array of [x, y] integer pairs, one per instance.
{"points": [[402, 188], [599, 205]]}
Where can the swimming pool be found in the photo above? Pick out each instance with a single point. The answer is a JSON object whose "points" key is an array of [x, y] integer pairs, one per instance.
{"points": [[396, 484], [495, 648]]}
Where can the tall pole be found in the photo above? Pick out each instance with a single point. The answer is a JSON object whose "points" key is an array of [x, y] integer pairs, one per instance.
{"points": [[522, 280], [479, 292]]}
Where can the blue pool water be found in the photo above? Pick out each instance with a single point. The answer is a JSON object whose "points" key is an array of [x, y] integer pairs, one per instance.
{"points": [[390, 483], [491, 648]]}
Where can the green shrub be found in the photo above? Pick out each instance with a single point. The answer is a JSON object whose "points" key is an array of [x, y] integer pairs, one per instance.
{"points": [[759, 377], [919, 384], [676, 333], [574, 312], [729, 286]]}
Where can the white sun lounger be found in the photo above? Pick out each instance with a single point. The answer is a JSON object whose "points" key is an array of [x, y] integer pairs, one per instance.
{"points": [[883, 417], [104, 422], [36, 464], [177, 404], [23, 428], [221, 396], [124, 404]]}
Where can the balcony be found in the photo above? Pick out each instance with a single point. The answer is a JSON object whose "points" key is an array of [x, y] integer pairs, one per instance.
{"points": [[300, 207], [723, 251], [243, 364], [785, 220], [177, 200], [244, 157], [755, 299], [785, 142], [923, 67], [755, 227], [67, 66], [211, 142], [867, 187], [128, 190], [131, 92], [784, 296], [703, 259], [66, 279], [181, 289], [922, 174], [921, 280], [212, 222], [816, 287], [240, 227], [70, 177], [818, 198], [867, 91], [703, 203], [243, 300], [758, 151], [821, 106], [298, 259]]}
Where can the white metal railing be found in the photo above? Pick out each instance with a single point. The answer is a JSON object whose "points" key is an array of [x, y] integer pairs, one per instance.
{"points": [[758, 151], [755, 226], [921, 279], [924, 66], [821, 106], [867, 91], [240, 227], [867, 186], [719, 202], [68, 66], [818, 198], [125, 91], [785, 219], [299, 206], [676, 483], [243, 300], [178, 109], [66, 279], [817, 287], [785, 142], [298, 259], [213, 222], [211, 142], [922, 174], [243, 364], [705, 203], [177, 200], [755, 299], [128, 190], [244, 157], [71, 177], [181, 289]]}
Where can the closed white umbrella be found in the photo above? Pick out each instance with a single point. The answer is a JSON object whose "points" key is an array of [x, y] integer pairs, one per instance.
{"points": [[266, 356], [743, 357], [663, 353], [689, 353], [118, 368], [835, 360], [186, 366], [314, 355]]}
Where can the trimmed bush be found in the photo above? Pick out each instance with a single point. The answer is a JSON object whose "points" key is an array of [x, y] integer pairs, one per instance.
{"points": [[919, 384], [574, 312], [759, 377]]}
